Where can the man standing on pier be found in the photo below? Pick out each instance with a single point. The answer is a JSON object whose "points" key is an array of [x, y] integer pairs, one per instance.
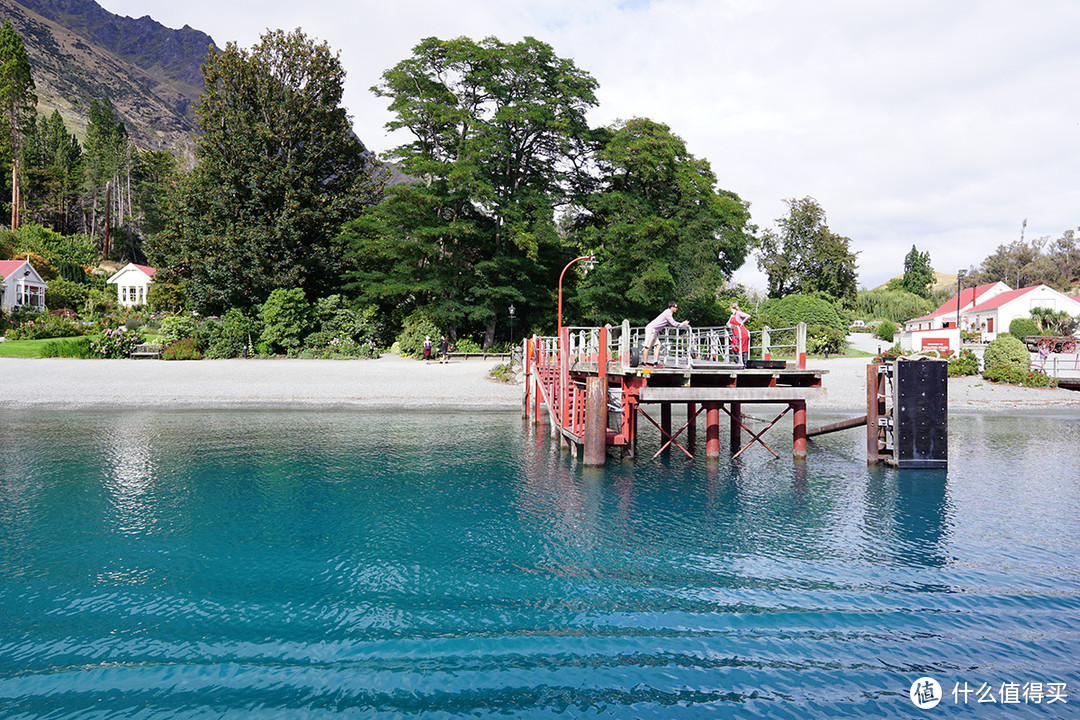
{"points": [[661, 321]]}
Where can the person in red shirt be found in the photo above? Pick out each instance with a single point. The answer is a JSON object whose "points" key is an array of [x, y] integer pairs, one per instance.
{"points": [[740, 336]]}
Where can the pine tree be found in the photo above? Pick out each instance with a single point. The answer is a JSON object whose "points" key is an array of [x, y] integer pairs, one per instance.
{"points": [[17, 101]]}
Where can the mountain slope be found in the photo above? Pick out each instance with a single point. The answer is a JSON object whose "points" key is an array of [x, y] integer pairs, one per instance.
{"points": [[80, 53]]}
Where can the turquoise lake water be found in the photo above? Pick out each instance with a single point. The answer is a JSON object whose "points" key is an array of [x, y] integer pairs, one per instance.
{"points": [[376, 565]]}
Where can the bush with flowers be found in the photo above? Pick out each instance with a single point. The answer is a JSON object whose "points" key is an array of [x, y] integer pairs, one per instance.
{"points": [[44, 326], [118, 343]]}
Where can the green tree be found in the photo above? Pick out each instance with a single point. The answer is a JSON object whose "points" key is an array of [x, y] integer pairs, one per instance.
{"points": [[497, 134], [17, 102], [658, 225], [278, 172], [52, 173], [286, 315], [803, 255], [918, 274], [109, 155]]}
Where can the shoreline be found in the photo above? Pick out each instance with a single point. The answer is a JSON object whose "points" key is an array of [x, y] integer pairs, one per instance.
{"points": [[393, 383]]}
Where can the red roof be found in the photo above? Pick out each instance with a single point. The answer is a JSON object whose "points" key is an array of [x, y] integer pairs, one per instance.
{"points": [[967, 296], [1002, 298], [9, 266], [146, 269]]}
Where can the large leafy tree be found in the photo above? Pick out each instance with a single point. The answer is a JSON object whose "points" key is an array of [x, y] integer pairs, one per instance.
{"points": [[918, 274], [802, 255], [278, 172], [658, 225], [496, 132], [17, 102]]}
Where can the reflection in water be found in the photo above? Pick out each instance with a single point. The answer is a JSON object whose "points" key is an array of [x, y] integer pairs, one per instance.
{"points": [[192, 565], [129, 473]]}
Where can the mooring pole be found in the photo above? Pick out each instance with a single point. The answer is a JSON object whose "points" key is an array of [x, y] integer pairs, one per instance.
{"points": [[712, 430], [873, 409], [596, 402]]}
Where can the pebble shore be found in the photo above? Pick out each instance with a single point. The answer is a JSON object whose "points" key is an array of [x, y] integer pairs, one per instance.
{"points": [[390, 383]]}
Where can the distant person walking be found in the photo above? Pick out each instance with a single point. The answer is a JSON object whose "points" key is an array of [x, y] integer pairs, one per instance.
{"points": [[444, 350], [740, 336], [661, 321], [427, 349]]}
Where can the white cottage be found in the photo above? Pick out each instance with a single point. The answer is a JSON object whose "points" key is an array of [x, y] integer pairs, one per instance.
{"points": [[132, 284], [21, 286], [994, 315]]}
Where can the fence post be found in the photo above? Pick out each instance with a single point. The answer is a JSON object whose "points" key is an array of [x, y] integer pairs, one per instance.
{"points": [[766, 353], [800, 344], [525, 342], [624, 345]]}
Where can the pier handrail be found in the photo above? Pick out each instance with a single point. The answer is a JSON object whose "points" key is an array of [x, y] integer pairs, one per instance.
{"points": [[680, 346]]}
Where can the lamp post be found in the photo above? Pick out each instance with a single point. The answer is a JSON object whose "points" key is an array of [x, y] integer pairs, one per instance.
{"points": [[588, 259], [959, 276], [511, 311]]}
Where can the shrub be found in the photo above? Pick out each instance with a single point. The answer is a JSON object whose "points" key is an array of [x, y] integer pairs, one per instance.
{"points": [[235, 335], [411, 340], [964, 364], [465, 345], [821, 339], [1023, 327], [63, 293], [115, 344], [502, 373], [168, 297], [885, 330], [74, 348], [183, 349], [1005, 351], [793, 309], [44, 326], [1014, 375], [286, 315], [888, 355], [176, 327]]}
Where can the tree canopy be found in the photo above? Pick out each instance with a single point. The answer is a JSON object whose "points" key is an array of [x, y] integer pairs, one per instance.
{"points": [[918, 276], [497, 133], [278, 172], [803, 256], [658, 225], [17, 102]]}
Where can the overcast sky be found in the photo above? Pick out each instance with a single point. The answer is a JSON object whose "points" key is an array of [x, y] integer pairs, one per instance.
{"points": [[939, 124]]}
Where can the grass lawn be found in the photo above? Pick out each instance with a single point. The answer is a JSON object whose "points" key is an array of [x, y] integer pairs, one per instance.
{"points": [[24, 348]]}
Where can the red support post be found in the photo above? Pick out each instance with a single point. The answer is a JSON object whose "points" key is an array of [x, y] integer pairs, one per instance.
{"points": [[799, 428], [712, 430]]}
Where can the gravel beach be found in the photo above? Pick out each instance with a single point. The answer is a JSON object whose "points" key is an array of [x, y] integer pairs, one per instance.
{"points": [[391, 382]]}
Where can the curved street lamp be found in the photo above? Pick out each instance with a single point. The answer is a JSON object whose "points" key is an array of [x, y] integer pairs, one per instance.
{"points": [[589, 260]]}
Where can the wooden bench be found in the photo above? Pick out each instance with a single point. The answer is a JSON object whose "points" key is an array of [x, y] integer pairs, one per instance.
{"points": [[146, 350]]}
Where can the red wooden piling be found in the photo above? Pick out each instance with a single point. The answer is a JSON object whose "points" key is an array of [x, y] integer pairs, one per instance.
{"points": [[712, 430], [799, 428]]}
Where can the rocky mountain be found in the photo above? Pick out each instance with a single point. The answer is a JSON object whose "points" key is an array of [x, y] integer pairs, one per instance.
{"points": [[80, 52]]}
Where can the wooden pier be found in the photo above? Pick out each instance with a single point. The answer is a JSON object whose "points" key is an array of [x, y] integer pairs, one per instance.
{"points": [[595, 396]]}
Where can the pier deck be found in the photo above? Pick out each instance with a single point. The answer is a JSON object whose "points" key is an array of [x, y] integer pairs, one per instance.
{"points": [[587, 380]]}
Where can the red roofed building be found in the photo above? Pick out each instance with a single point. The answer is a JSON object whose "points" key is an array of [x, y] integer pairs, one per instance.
{"points": [[946, 316], [21, 285], [986, 309], [132, 284]]}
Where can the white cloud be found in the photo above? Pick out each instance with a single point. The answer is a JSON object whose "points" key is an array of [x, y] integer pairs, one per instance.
{"points": [[942, 125]]}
